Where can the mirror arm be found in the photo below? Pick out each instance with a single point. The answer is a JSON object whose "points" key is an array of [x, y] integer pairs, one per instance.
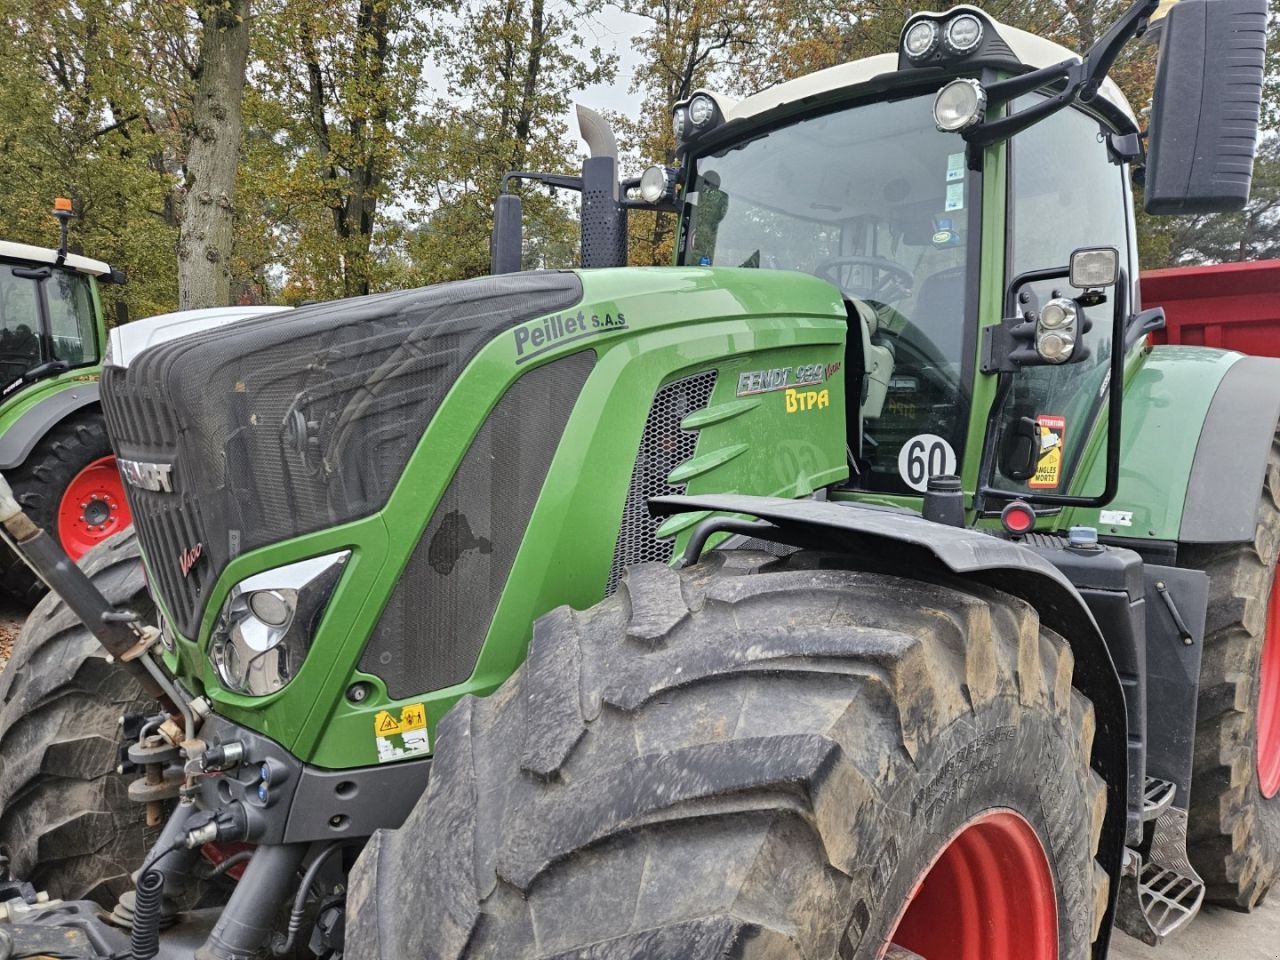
{"points": [[1083, 79], [564, 181], [1098, 61]]}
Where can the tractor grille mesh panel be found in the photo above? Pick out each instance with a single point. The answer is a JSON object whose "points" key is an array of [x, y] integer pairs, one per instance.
{"points": [[290, 423], [663, 447], [432, 628]]}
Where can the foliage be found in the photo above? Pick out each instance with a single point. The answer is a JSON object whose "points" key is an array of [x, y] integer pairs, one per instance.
{"points": [[376, 132]]}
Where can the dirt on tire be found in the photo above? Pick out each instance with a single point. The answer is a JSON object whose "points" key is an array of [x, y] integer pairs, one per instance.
{"points": [[751, 758], [1234, 831], [66, 823]]}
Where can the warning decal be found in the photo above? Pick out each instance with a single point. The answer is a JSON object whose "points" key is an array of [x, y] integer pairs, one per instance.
{"points": [[1052, 433], [404, 737]]}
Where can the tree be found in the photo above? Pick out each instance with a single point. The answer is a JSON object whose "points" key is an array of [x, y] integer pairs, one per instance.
{"points": [[212, 155], [76, 96], [511, 68], [331, 103]]}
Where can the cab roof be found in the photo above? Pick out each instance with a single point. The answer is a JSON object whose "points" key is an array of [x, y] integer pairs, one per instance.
{"points": [[25, 251], [1035, 52]]}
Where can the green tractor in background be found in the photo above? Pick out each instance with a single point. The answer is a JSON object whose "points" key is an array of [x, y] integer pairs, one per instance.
{"points": [[53, 439], [862, 586]]}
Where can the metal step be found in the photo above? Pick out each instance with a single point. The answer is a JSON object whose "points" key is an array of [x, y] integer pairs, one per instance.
{"points": [[1162, 895], [1157, 797]]}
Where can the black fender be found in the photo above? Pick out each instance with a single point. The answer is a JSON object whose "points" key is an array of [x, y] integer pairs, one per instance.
{"points": [[905, 541], [19, 440], [1231, 454]]}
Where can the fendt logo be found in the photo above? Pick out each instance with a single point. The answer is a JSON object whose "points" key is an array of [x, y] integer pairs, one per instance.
{"points": [[156, 477]]}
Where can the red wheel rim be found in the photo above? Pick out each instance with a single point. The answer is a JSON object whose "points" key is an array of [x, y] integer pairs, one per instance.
{"points": [[1269, 701], [93, 508], [987, 896]]}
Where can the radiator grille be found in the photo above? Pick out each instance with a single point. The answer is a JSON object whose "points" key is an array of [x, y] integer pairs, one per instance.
{"points": [[663, 447], [432, 628]]}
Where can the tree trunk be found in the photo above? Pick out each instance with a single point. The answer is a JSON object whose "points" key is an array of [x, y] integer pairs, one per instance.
{"points": [[213, 153]]}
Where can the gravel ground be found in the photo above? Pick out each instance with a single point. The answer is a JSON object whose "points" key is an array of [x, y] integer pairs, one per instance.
{"points": [[1214, 935], [11, 620]]}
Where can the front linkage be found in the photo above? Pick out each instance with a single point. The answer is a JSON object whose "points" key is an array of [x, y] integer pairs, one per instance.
{"points": [[185, 755]]}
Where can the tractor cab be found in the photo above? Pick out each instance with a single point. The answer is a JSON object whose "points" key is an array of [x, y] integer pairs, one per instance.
{"points": [[49, 309], [969, 196]]}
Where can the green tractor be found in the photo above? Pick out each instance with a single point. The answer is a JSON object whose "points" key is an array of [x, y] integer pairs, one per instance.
{"points": [[862, 586], [53, 439]]}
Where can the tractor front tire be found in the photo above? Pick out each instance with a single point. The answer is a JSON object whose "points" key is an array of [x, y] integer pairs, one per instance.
{"points": [[1234, 826], [756, 758], [66, 823]]}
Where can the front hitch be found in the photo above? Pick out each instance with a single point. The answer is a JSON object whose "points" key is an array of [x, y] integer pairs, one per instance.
{"points": [[121, 632]]}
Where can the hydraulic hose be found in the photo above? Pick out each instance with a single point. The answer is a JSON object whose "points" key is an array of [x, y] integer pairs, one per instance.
{"points": [[144, 938]]}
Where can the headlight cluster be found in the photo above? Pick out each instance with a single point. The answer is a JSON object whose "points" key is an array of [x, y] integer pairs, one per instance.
{"points": [[266, 625], [1056, 329], [956, 35], [692, 118]]}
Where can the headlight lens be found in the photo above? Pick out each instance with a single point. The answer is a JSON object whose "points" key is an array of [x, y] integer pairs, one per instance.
{"points": [[921, 39], [1056, 330], [653, 184], [701, 109], [677, 123], [959, 105], [266, 625], [963, 33]]}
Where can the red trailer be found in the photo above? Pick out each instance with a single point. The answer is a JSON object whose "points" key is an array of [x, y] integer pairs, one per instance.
{"points": [[1235, 306]]}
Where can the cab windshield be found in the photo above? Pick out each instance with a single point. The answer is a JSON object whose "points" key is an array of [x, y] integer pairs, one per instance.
{"points": [[875, 200], [45, 315]]}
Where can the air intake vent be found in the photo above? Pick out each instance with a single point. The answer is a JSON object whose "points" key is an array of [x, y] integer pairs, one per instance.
{"points": [[663, 447], [432, 628]]}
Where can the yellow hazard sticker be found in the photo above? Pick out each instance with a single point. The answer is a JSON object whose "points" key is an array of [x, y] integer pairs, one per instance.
{"points": [[403, 736], [1051, 433]]}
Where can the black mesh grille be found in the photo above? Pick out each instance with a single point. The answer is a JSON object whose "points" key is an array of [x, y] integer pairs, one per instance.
{"points": [[292, 423], [432, 628], [663, 447]]}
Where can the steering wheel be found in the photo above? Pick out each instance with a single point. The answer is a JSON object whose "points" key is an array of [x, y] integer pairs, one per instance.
{"points": [[826, 270]]}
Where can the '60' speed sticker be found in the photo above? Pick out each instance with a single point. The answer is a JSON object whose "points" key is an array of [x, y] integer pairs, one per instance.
{"points": [[923, 456]]}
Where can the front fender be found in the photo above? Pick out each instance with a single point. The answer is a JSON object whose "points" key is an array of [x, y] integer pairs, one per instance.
{"points": [[19, 437]]}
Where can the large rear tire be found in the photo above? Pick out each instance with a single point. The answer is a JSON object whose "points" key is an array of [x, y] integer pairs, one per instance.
{"points": [[1234, 825], [70, 487], [66, 823], [757, 759]]}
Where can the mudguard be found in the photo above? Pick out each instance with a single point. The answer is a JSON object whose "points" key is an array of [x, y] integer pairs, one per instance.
{"points": [[1231, 455], [901, 540], [1197, 427], [17, 442]]}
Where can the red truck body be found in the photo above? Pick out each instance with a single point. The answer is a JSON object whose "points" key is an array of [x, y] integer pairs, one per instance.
{"points": [[1235, 306]]}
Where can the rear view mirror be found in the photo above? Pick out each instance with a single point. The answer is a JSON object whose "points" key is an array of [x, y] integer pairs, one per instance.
{"points": [[1204, 114]]}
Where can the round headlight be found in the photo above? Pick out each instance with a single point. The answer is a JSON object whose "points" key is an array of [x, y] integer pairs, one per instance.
{"points": [[270, 607], [959, 105], [677, 124], [1056, 346], [701, 109], [1057, 313], [921, 39], [653, 184], [963, 33]]}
